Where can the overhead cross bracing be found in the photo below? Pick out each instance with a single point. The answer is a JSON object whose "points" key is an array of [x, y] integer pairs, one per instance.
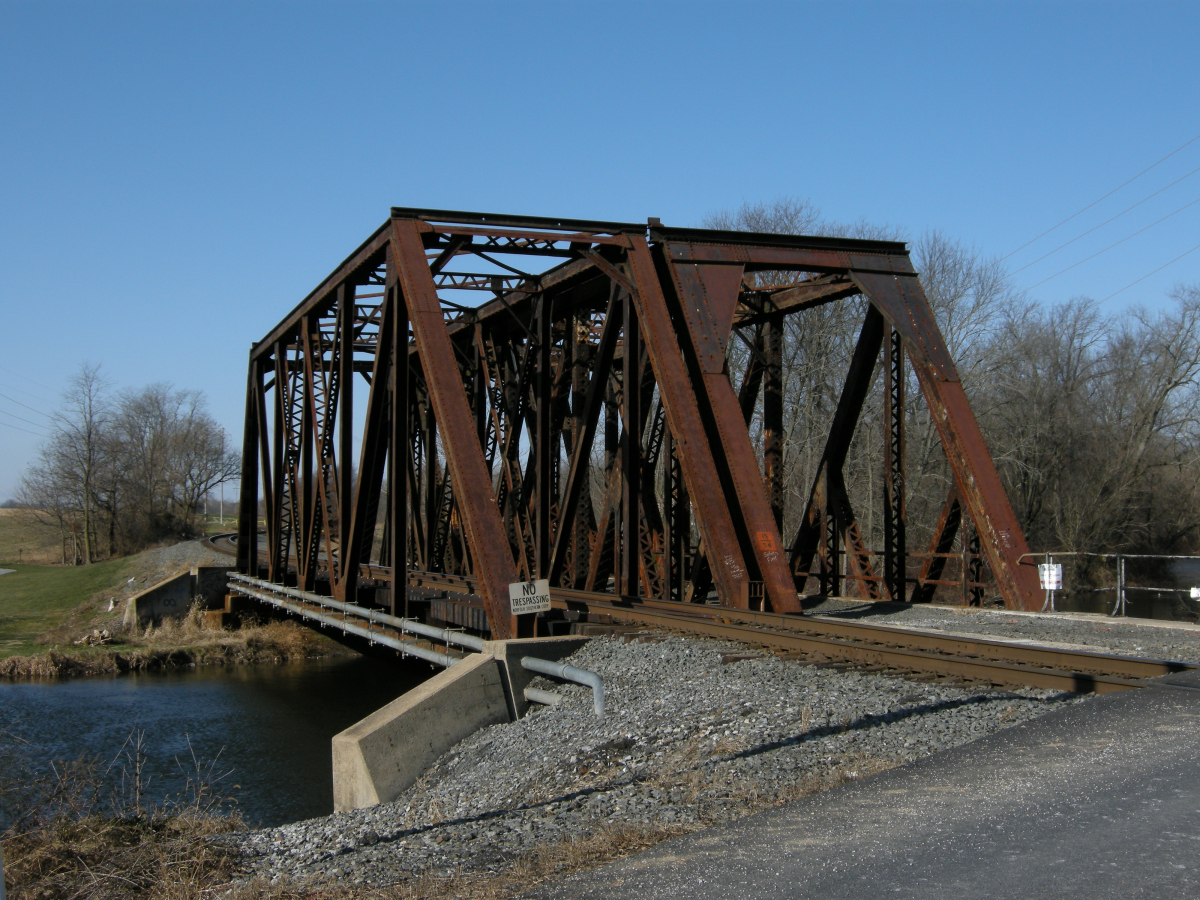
{"points": [[582, 423]]}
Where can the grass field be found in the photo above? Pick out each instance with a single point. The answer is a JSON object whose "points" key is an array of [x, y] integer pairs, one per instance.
{"points": [[24, 540], [41, 595], [35, 599]]}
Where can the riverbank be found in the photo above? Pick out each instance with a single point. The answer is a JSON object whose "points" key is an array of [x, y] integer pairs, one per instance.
{"points": [[67, 622], [697, 733], [181, 646]]}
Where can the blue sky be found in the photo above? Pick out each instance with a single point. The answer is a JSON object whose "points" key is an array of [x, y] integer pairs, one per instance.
{"points": [[176, 176]]}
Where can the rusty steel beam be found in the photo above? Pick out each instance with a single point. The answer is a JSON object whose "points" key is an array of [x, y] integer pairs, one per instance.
{"points": [[902, 300], [471, 409], [464, 456], [895, 555], [708, 297], [683, 410]]}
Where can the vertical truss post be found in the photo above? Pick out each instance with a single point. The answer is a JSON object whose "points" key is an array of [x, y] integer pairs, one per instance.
{"points": [[347, 313], [247, 558], [400, 444], [773, 415], [678, 522], [309, 524], [544, 499], [280, 473], [429, 473], [831, 567], [895, 556], [631, 461], [670, 563], [972, 567], [264, 456]]}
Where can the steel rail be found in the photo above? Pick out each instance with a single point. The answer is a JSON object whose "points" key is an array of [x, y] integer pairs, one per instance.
{"points": [[902, 658], [912, 639], [901, 648]]}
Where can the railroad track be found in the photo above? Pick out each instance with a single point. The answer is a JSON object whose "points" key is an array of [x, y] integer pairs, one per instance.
{"points": [[883, 648], [223, 543], [902, 651]]}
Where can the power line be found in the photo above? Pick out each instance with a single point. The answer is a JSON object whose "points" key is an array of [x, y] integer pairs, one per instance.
{"points": [[36, 395], [1105, 197], [26, 430], [19, 419], [1117, 244], [1148, 274], [1105, 222], [30, 380], [30, 408]]}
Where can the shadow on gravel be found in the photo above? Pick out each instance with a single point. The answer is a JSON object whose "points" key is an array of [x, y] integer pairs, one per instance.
{"points": [[863, 723], [865, 611]]}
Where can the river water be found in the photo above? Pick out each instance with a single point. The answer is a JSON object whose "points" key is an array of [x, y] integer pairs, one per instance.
{"points": [[1160, 590], [265, 729]]}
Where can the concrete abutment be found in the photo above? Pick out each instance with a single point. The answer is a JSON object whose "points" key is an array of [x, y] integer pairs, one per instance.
{"points": [[378, 758]]}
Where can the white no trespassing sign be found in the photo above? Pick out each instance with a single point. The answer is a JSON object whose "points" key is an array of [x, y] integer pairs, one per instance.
{"points": [[529, 596], [1050, 575]]}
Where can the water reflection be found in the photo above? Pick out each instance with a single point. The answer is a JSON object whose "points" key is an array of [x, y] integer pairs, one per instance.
{"points": [[268, 726]]}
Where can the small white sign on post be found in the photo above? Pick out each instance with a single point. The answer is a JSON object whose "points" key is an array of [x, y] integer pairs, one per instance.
{"points": [[529, 596], [1050, 575]]}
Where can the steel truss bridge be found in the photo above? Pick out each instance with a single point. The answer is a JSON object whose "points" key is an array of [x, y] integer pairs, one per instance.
{"points": [[581, 424]]}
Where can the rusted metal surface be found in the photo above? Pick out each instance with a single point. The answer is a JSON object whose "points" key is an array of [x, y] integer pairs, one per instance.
{"points": [[582, 424]]}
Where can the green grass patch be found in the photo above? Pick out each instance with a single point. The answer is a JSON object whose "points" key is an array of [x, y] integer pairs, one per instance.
{"points": [[24, 539], [35, 599]]}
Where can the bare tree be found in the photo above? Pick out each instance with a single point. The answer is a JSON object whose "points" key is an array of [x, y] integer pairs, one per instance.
{"points": [[62, 486], [1094, 422], [137, 468], [174, 453]]}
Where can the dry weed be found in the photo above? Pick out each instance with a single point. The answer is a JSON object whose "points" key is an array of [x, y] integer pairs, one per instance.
{"points": [[63, 840], [175, 644]]}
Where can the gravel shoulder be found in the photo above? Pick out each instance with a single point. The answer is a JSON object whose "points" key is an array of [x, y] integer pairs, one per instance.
{"points": [[688, 741], [1148, 638]]}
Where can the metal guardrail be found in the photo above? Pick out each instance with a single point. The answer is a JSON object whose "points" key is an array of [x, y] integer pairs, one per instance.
{"points": [[269, 593], [1120, 607]]}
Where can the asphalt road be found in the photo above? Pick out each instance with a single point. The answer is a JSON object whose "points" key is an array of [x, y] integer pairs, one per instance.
{"points": [[1100, 800]]}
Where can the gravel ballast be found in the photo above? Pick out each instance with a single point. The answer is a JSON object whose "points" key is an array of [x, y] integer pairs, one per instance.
{"points": [[1149, 638], [688, 740]]}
